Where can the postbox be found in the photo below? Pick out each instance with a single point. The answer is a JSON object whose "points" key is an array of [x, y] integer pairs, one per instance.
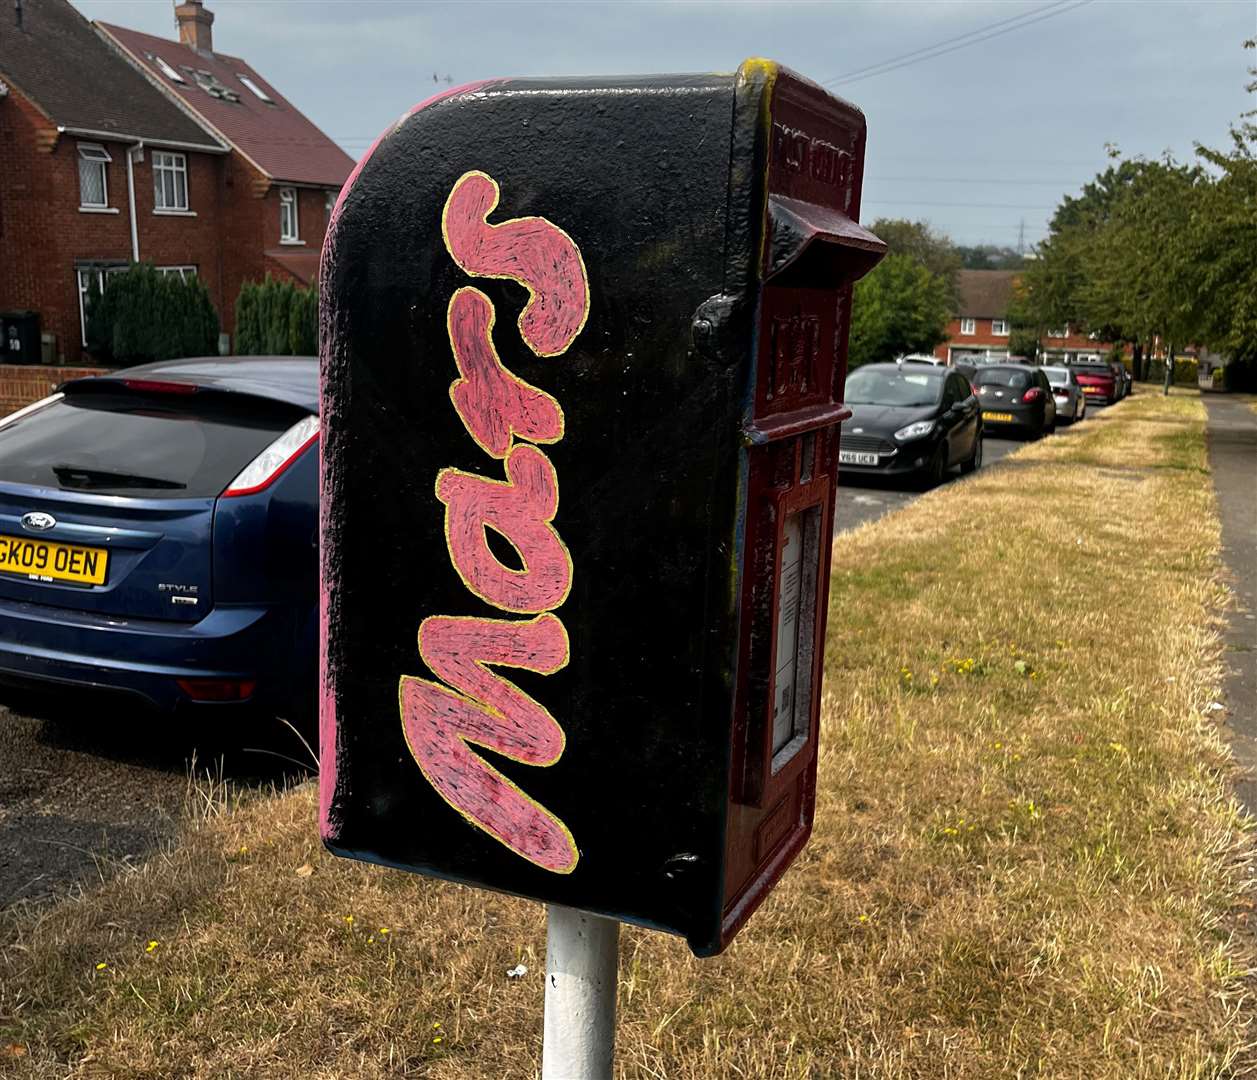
{"points": [[583, 350]]}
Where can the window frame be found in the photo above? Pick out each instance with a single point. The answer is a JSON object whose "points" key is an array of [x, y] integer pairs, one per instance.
{"points": [[288, 202], [999, 327], [83, 282], [184, 271], [176, 164], [86, 154], [254, 88], [969, 327]]}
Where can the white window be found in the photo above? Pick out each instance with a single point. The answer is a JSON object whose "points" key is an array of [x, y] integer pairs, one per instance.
{"points": [[170, 181], [1063, 332], [168, 71], [288, 216], [254, 88], [999, 327], [93, 180], [86, 275], [184, 273], [968, 326]]}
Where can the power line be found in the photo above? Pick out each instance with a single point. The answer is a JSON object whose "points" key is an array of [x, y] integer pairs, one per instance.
{"points": [[969, 205], [974, 37], [965, 180]]}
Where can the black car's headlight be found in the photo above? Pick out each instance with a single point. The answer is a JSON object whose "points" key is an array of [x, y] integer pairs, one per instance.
{"points": [[915, 431]]}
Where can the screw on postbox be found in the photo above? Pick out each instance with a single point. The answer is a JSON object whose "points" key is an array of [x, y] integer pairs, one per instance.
{"points": [[584, 344]]}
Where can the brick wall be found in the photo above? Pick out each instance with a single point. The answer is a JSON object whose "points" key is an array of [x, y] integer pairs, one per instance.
{"points": [[22, 384]]}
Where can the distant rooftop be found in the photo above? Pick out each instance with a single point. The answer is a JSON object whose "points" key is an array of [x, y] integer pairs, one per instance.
{"points": [[79, 81], [985, 294], [242, 107]]}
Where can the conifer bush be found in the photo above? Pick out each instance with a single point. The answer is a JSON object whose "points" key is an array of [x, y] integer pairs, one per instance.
{"points": [[143, 315], [276, 318]]}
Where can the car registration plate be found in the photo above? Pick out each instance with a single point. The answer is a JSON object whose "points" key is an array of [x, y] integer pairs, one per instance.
{"points": [[852, 457], [44, 560], [998, 417], [1091, 390]]}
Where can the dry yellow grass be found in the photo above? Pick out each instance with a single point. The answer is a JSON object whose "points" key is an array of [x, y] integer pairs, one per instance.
{"points": [[1025, 863]]}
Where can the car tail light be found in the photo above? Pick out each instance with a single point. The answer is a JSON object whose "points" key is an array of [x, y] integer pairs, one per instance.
{"points": [[157, 386], [974, 387], [218, 689], [271, 462], [1032, 395]]}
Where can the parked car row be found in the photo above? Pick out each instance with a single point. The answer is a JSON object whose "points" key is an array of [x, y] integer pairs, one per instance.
{"points": [[918, 417]]}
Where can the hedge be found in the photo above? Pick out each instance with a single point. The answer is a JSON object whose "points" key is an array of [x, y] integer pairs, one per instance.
{"points": [[276, 318], [143, 315]]}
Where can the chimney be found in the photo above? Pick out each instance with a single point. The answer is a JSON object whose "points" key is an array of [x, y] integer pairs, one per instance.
{"points": [[194, 25]]}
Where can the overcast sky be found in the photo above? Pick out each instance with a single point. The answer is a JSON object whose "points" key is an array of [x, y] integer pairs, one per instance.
{"points": [[977, 140]]}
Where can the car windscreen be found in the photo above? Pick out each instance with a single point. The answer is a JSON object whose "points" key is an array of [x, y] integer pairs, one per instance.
{"points": [[149, 445], [1010, 377], [906, 388], [1057, 376]]}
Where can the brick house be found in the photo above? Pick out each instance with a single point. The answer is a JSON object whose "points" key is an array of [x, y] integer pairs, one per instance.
{"points": [[107, 158], [981, 328]]}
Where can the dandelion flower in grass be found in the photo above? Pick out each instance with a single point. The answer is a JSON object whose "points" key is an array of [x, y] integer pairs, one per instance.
{"points": [[101, 966], [862, 919], [349, 920], [385, 931], [436, 1026], [438, 1039], [151, 946]]}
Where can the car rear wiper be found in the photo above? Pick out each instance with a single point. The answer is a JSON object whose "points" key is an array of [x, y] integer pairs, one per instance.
{"points": [[77, 476]]}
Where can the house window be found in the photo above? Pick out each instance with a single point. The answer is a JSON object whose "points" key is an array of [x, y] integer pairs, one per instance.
{"points": [[170, 181], [93, 182], [86, 275], [999, 327], [1063, 332], [253, 88], [168, 71], [968, 326], [184, 273], [288, 216]]}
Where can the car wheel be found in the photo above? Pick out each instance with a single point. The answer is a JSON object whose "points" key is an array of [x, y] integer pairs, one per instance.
{"points": [[975, 460], [935, 469]]}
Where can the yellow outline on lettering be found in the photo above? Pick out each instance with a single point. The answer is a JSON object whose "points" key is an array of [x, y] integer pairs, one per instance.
{"points": [[401, 683], [493, 319], [532, 293]]}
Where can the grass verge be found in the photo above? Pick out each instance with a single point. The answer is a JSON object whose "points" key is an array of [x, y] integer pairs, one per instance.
{"points": [[1025, 862]]}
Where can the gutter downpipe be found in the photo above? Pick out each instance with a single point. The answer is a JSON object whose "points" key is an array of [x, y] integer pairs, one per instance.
{"points": [[135, 235]]}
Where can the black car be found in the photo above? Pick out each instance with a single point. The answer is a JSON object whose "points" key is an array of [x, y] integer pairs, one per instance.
{"points": [[1016, 397], [910, 420]]}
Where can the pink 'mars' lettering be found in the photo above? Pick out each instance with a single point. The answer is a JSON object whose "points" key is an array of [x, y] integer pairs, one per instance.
{"points": [[471, 705]]}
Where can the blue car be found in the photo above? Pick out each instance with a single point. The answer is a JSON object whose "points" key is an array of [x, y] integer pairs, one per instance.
{"points": [[159, 535]]}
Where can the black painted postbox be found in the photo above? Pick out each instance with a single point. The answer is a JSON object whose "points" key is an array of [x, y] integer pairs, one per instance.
{"points": [[584, 344]]}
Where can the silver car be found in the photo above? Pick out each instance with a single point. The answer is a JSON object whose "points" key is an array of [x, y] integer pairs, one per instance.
{"points": [[1071, 402]]}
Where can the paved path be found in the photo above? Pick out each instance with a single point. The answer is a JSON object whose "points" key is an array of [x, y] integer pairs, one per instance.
{"points": [[1233, 462], [860, 500]]}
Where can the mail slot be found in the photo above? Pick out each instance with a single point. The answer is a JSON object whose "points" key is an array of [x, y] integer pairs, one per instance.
{"points": [[584, 344]]}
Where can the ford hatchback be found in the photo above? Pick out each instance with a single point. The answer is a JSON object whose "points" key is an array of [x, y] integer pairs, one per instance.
{"points": [[159, 534]]}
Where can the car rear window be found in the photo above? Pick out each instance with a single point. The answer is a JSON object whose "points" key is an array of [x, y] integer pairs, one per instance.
{"points": [[905, 387], [1057, 376], [1093, 369], [1009, 377], [150, 445]]}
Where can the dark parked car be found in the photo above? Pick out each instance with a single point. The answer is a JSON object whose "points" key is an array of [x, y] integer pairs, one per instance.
{"points": [[1121, 378], [1071, 402], [159, 535], [1098, 380], [1016, 397], [913, 419]]}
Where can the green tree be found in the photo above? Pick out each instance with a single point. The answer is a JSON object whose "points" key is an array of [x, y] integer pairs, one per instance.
{"points": [[901, 306], [144, 315], [276, 318], [931, 249]]}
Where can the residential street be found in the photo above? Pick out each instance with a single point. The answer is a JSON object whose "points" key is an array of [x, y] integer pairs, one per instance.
{"points": [[1233, 461], [859, 501]]}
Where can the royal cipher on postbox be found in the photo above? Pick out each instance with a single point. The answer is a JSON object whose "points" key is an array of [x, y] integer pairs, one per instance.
{"points": [[584, 344]]}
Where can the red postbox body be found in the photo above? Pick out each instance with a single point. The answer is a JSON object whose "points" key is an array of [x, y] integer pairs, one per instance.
{"points": [[603, 287]]}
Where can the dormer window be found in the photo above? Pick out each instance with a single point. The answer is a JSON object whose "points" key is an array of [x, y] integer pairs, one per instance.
{"points": [[93, 176], [253, 87], [288, 216], [168, 71]]}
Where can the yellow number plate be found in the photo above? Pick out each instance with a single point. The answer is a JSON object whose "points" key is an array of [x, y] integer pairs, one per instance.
{"points": [[42, 560], [1091, 390], [1004, 417]]}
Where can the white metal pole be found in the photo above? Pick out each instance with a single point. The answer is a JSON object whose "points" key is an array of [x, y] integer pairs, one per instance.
{"points": [[582, 959]]}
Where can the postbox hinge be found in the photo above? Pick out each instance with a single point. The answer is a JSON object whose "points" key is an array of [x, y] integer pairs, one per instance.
{"points": [[714, 327]]}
